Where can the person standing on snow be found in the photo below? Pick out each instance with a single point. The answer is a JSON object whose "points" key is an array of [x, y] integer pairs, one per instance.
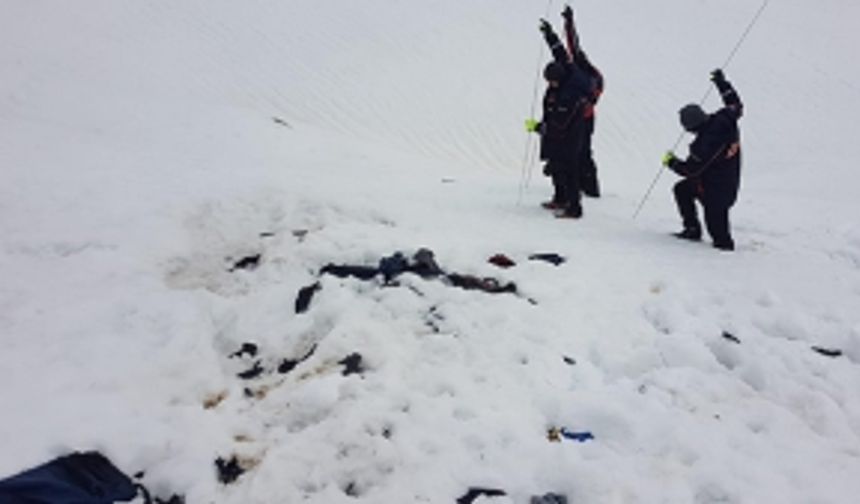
{"points": [[712, 170], [587, 167], [562, 126]]}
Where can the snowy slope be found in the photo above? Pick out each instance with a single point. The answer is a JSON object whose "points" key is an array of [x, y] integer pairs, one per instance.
{"points": [[140, 159]]}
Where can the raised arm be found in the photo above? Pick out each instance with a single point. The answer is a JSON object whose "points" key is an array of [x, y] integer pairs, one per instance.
{"points": [[731, 100], [570, 35], [559, 53]]}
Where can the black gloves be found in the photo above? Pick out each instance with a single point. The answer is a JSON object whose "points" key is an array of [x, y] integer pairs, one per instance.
{"points": [[717, 77], [545, 27], [567, 13]]}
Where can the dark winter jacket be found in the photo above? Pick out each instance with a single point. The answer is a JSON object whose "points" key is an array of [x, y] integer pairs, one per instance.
{"points": [[563, 106], [595, 82], [715, 153], [577, 55]]}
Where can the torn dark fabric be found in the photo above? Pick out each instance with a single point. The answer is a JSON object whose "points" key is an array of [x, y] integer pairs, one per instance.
{"points": [[252, 373], [551, 258], [79, 478], [288, 365], [392, 266], [490, 285], [731, 337], [474, 493], [502, 261], [345, 271], [247, 263], [423, 264], [247, 349], [306, 294], [550, 498], [352, 364], [148, 499], [228, 470], [828, 352]]}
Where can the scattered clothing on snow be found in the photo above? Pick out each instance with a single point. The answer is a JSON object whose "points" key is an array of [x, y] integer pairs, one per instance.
{"points": [[351, 364], [279, 121], [828, 352], [249, 263], [81, 478], [345, 271], [551, 258], [148, 499], [288, 365], [249, 349], [486, 284], [476, 492], [393, 266], [228, 470], [306, 294], [78, 478], [731, 337], [502, 261], [252, 373], [550, 498], [423, 264], [555, 435]]}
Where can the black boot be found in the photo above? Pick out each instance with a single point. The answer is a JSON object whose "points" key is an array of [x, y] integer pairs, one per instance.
{"points": [[571, 212], [689, 233], [725, 246]]}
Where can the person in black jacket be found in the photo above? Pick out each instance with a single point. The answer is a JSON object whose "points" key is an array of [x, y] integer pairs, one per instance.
{"points": [[712, 170], [587, 167], [561, 127]]}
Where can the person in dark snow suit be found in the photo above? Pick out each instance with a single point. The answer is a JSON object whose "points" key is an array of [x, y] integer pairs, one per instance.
{"points": [[587, 167], [712, 170], [561, 127]]}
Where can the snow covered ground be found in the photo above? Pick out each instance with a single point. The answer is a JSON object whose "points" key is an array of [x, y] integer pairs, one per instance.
{"points": [[146, 147]]}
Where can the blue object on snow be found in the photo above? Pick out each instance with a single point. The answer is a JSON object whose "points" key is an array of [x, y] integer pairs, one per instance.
{"points": [[393, 265], [577, 436], [550, 498], [79, 478]]}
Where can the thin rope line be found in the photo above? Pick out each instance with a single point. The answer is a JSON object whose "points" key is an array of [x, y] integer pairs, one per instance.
{"points": [[528, 155]]}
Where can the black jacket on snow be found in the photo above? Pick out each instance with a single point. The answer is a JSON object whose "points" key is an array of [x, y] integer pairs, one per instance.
{"points": [[715, 153], [563, 106]]}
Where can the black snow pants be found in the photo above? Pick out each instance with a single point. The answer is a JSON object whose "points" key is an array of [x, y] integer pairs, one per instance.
{"points": [[565, 182], [687, 191], [588, 168]]}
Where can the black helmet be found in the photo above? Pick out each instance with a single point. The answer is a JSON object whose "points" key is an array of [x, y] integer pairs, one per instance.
{"points": [[554, 71], [692, 117]]}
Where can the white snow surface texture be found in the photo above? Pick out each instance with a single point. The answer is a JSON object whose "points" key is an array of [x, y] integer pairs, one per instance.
{"points": [[141, 159]]}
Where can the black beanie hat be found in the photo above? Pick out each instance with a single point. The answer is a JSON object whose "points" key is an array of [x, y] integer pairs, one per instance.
{"points": [[554, 71], [692, 117]]}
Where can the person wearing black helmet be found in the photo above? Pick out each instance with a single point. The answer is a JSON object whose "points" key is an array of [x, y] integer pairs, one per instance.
{"points": [[561, 128], [712, 170]]}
